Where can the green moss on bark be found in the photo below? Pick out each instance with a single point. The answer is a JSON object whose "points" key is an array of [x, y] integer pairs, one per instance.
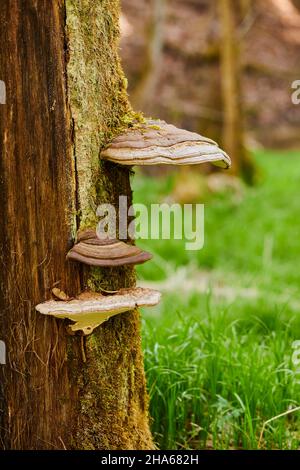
{"points": [[98, 94], [113, 403]]}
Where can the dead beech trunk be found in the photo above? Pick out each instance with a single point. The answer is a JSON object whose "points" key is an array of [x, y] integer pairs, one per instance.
{"points": [[65, 96]]}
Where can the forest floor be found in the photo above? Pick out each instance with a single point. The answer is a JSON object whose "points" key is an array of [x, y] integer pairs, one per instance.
{"points": [[219, 349]]}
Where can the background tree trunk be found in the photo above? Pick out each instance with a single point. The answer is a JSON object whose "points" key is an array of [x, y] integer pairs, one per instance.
{"points": [[296, 3], [145, 88], [231, 13], [65, 97]]}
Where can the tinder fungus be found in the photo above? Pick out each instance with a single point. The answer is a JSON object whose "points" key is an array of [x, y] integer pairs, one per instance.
{"points": [[94, 251], [90, 309], [159, 143]]}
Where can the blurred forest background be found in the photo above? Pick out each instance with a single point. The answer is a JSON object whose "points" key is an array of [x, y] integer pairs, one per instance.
{"points": [[173, 55], [219, 349]]}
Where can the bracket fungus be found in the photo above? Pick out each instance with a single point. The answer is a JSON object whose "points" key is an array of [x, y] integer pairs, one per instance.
{"points": [[90, 309], [159, 143], [94, 251]]}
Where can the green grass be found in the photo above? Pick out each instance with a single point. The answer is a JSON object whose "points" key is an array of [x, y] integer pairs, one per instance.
{"points": [[218, 365]]}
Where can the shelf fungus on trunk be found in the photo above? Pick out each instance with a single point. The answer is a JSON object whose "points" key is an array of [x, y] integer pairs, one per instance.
{"points": [[95, 251], [159, 143], [89, 309]]}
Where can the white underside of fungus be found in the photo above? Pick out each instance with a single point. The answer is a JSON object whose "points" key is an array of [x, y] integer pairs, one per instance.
{"points": [[90, 310]]}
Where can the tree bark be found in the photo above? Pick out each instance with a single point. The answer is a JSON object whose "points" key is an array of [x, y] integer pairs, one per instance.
{"points": [[66, 97]]}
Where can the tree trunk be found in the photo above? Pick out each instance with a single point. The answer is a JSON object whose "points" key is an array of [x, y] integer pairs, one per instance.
{"points": [[145, 89], [65, 96], [296, 3], [231, 70]]}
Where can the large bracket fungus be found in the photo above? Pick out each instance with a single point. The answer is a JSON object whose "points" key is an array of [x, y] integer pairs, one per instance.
{"points": [[90, 309], [94, 251], [159, 143]]}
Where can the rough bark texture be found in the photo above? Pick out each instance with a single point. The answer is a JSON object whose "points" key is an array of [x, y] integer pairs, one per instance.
{"points": [[65, 97]]}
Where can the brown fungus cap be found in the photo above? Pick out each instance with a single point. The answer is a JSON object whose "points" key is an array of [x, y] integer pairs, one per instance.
{"points": [[94, 251], [90, 309], [159, 143]]}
